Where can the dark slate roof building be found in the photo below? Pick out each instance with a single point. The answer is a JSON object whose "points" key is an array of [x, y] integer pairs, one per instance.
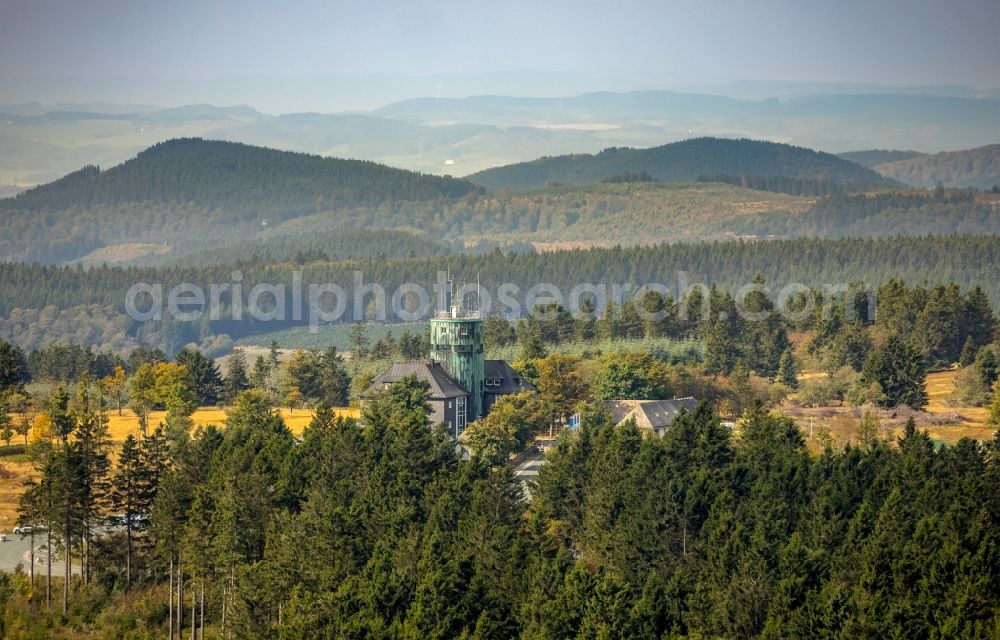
{"points": [[441, 384], [654, 415], [501, 379]]}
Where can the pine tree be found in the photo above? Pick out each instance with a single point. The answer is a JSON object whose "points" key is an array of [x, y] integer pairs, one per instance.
{"points": [[740, 389], [204, 376], [900, 370], [13, 366], [586, 320], [128, 496], [117, 386], [969, 351], [359, 341], [335, 383], [142, 394], [533, 348], [6, 423], [236, 381], [93, 445], [995, 405], [606, 326], [986, 367], [978, 318], [787, 370], [63, 426], [260, 376], [411, 347]]}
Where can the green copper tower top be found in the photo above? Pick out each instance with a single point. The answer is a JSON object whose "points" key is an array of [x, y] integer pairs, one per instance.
{"points": [[457, 343]]}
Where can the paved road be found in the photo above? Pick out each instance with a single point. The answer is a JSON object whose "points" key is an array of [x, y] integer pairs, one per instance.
{"points": [[16, 551], [527, 470]]}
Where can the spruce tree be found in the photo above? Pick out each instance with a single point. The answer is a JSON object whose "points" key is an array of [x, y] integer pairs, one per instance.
{"points": [[995, 405], [13, 366], [900, 370], [359, 341], [969, 351], [93, 445], [986, 367], [260, 376], [236, 381], [128, 496], [335, 383], [533, 348], [586, 320], [787, 370], [204, 376]]}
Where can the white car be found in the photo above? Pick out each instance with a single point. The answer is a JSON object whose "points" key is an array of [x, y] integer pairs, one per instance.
{"points": [[25, 529]]}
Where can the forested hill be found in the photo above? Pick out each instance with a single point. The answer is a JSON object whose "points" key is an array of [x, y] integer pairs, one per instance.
{"points": [[684, 161], [217, 174], [871, 157], [979, 167]]}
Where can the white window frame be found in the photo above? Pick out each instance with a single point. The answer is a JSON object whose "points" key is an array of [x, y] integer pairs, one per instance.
{"points": [[460, 416]]}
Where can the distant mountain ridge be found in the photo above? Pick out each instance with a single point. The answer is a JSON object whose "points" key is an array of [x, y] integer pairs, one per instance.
{"points": [[228, 174], [461, 136], [979, 167], [684, 161]]}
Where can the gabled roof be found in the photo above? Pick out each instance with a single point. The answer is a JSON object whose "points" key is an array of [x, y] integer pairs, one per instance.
{"points": [[510, 381], [650, 414], [441, 384]]}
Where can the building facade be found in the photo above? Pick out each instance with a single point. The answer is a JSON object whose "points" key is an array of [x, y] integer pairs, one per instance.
{"points": [[462, 384]]}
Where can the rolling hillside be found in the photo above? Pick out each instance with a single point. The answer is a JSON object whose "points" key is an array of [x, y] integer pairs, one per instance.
{"points": [[684, 161], [194, 194], [871, 157], [232, 175], [979, 167]]}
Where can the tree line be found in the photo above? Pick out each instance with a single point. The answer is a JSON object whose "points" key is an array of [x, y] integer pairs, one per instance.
{"points": [[90, 303], [378, 528]]}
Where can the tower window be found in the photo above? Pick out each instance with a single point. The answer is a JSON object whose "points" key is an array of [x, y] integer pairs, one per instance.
{"points": [[460, 413]]}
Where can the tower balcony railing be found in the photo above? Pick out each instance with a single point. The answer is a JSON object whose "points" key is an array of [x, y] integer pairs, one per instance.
{"points": [[456, 313]]}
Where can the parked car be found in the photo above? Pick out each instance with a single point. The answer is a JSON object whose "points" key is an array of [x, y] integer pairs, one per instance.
{"points": [[25, 529], [139, 520]]}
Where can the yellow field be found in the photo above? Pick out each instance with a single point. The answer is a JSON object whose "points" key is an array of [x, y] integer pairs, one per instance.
{"points": [[120, 427], [943, 421], [128, 423]]}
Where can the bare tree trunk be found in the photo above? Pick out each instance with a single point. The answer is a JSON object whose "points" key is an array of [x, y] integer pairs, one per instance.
{"points": [[201, 624], [85, 543], [32, 570], [180, 600], [48, 579], [67, 565], [225, 605], [194, 615], [128, 553], [170, 602]]}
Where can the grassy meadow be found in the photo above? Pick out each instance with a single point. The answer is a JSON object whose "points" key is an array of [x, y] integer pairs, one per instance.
{"points": [[945, 422]]}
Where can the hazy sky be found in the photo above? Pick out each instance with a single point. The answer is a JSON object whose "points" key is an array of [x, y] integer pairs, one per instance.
{"points": [[150, 52]]}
